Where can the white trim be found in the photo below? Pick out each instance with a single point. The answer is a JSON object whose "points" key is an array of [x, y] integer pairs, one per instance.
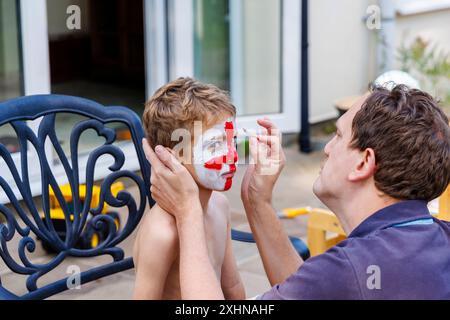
{"points": [[291, 29], [156, 55], [289, 118], [35, 52], [410, 7], [236, 55], [324, 117], [181, 35], [36, 77]]}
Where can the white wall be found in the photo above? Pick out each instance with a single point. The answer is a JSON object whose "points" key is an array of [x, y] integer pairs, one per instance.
{"points": [[342, 48], [431, 26], [262, 56], [341, 58]]}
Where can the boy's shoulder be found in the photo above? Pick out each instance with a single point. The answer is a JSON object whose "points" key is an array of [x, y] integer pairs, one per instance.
{"points": [[158, 225]]}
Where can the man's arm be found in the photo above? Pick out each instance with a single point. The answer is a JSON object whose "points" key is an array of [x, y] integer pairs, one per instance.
{"points": [[232, 286], [174, 189], [278, 255], [198, 279]]}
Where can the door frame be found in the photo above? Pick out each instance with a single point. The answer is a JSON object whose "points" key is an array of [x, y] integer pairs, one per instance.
{"points": [[168, 24], [182, 59], [36, 76]]}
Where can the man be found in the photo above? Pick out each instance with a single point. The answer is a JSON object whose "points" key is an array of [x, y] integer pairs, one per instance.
{"points": [[389, 157]]}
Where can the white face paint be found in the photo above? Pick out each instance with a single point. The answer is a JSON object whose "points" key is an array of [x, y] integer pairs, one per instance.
{"points": [[215, 157]]}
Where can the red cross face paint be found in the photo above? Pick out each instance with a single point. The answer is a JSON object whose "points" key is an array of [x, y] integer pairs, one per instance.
{"points": [[215, 157]]}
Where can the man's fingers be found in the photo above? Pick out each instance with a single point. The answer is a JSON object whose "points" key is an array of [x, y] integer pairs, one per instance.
{"points": [[253, 146], [267, 124], [168, 159], [151, 156], [270, 140]]}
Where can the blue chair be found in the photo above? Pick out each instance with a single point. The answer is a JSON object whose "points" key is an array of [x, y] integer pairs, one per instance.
{"points": [[76, 212]]}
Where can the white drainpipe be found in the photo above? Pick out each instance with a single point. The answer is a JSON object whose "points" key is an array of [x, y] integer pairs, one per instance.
{"points": [[386, 43]]}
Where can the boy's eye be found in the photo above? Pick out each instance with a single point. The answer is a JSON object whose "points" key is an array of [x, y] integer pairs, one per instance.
{"points": [[213, 146]]}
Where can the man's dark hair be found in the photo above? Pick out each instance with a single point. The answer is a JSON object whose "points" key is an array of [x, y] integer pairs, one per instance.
{"points": [[410, 135]]}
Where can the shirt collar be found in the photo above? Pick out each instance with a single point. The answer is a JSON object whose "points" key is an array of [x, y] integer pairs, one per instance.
{"points": [[400, 212]]}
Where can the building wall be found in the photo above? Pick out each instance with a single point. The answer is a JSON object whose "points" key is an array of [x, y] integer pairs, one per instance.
{"points": [[342, 61], [342, 48], [262, 54], [432, 26]]}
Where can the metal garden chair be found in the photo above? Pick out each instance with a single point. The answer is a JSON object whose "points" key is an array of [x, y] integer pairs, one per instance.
{"points": [[77, 214]]}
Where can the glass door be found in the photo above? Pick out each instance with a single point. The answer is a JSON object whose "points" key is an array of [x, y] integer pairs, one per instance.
{"points": [[21, 72], [250, 48]]}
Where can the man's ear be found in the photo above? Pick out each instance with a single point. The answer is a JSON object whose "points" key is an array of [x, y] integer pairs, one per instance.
{"points": [[365, 166]]}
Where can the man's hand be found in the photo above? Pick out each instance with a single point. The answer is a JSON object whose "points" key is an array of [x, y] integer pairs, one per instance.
{"points": [[172, 186], [175, 191], [279, 257], [268, 161]]}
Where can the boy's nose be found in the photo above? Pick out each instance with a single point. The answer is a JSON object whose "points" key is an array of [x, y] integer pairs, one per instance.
{"points": [[231, 157]]}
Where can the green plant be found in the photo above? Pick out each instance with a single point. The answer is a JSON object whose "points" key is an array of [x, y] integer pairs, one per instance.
{"points": [[430, 65]]}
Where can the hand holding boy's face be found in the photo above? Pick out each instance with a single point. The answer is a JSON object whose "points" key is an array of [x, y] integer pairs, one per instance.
{"points": [[215, 156]]}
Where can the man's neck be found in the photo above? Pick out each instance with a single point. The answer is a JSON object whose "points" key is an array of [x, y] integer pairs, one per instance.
{"points": [[352, 212], [204, 195]]}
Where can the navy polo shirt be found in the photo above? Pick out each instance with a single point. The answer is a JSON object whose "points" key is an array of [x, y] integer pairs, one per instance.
{"points": [[399, 252]]}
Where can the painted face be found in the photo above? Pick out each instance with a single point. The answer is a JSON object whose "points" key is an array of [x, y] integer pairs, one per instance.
{"points": [[215, 157]]}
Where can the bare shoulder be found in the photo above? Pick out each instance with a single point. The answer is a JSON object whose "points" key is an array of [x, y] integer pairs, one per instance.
{"points": [[157, 228]]}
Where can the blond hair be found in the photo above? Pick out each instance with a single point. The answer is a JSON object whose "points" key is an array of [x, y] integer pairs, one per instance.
{"points": [[178, 104]]}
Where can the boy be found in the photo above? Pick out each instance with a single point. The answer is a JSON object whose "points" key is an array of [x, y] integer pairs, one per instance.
{"points": [[212, 162]]}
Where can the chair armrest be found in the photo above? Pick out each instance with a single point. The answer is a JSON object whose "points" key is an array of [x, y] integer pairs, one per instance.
{"points": [[247, 237]]}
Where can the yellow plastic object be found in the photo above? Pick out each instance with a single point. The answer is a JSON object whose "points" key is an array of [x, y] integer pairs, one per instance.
{"points": [[57, 213], [95, 240], [325, 231], [290, 213], [321, 222]]}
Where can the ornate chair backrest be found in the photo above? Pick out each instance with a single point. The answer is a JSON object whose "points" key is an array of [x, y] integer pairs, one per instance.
{"points": [[25, 227]]}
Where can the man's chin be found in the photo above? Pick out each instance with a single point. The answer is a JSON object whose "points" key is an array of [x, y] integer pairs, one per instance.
{"points": [[318, 189]]}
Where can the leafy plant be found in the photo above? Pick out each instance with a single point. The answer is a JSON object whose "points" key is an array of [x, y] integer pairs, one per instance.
{"points": [[430, 65]]}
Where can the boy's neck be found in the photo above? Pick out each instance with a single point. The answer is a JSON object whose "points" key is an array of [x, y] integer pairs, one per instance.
{"points": [[204, 195]]}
